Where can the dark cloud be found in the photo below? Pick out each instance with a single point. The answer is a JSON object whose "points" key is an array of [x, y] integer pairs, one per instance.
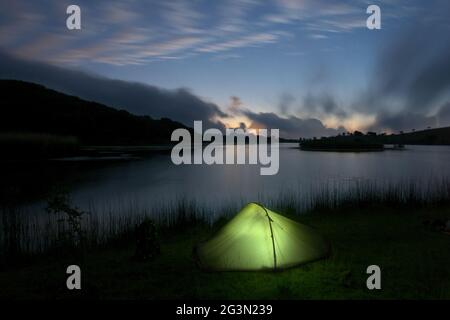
{"points": [[415, 70], [285, 103], [235, 104], [322, 103], [141, 99], [411, 75], [407, 121], [443, 116], [291, 127]]}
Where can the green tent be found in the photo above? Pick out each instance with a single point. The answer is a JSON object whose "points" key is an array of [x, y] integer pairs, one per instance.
{"points": [[260, 239]]}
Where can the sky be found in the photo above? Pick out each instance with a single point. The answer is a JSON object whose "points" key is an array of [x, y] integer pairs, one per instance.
{"points": [[307, 67]]}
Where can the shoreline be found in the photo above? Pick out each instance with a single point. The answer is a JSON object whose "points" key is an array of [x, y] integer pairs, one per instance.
{"points": [[375, 236]]}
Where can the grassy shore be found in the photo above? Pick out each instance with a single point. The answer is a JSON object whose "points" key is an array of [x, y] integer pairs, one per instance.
{"points": [[414, 261], [367, 224]]}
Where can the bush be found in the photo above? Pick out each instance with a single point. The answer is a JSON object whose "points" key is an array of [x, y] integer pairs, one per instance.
{"points": [[70, 233]]}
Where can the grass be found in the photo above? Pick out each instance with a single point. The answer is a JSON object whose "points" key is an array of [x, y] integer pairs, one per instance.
{"points": [[414, 262], [368, 224]]}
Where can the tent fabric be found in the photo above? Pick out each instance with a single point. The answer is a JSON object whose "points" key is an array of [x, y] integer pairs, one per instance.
{"points": [[260, 239]]}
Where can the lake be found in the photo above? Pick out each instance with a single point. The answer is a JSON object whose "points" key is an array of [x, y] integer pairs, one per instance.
{"points": [[153, 181]]}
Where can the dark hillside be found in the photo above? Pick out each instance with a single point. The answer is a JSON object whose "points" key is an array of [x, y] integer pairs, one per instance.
{"points": [[31, 108]]}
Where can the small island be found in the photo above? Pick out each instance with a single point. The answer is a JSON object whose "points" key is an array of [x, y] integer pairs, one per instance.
{"points": [[342, 143]]}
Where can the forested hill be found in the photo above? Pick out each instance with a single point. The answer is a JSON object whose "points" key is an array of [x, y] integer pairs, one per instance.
{"points": [[30, 108], [371, 140], [428, 136]]}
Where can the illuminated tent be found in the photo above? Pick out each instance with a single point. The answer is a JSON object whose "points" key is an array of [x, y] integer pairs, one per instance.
{"points": [[260, 239]]}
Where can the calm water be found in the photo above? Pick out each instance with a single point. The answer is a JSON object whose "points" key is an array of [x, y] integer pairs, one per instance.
{"points": [[154, 180]]}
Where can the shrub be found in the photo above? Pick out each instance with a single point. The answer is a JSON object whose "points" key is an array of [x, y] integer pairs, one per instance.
{"points": [[69, 219]]}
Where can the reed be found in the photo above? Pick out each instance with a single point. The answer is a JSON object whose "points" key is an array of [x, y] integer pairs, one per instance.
{"points": [[26, 233]]}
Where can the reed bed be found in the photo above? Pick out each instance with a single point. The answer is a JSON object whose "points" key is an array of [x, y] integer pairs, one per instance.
{"points": [[24, 233]]}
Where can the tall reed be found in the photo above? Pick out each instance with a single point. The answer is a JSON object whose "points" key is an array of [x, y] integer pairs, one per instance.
{"points": [[27, 233]]}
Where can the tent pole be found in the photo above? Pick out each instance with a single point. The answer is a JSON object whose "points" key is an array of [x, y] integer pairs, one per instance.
{"points": [[273, 239]]}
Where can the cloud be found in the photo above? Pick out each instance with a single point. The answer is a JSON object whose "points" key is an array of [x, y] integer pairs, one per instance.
{"points": [[402, 121], [318, 36], [443, 116], [227, 56], [233, 15], [337, 24], [245, 41], [120, 12], [409, 120], [285, 103], [322, 104], [290, 127], [180, 105], [129, 32], [319, 15], [235, 105], [182, 16], [411, 77], [414, 70]]}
